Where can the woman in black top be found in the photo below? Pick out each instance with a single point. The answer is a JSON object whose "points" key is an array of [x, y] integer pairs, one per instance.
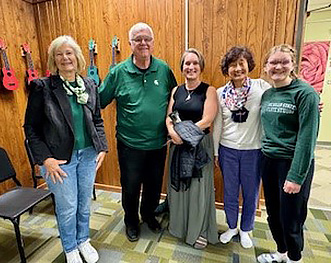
{"points": [[192, 201]]}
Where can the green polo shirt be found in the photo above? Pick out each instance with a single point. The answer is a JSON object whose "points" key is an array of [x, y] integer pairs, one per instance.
{"points": [[141, 102], [82, 138]]}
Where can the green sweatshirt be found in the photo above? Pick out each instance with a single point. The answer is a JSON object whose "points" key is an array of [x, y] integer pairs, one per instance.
{"points": [[141, 102], [290, 121]]}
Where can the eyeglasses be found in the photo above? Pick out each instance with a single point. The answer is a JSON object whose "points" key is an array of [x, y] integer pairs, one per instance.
{"points": [[140, 39], [276, 62]]}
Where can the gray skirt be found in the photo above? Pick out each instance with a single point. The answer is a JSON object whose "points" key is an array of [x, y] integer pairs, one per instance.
{"points": [[193, 212]]}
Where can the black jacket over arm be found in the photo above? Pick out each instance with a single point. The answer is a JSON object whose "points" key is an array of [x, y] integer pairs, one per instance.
{"points": [[188, 158], [48, 120]]}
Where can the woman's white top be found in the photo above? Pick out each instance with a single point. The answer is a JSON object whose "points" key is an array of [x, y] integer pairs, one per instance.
{"points": [[240, 136]]}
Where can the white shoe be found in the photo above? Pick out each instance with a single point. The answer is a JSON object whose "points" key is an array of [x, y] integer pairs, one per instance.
{"points": [[73, 257], [245, 239], [228, 235], [89, 253], [272, 257]]}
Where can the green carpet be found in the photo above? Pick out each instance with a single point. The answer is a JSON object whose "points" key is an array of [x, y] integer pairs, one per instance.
{"points": [[107, 235]]}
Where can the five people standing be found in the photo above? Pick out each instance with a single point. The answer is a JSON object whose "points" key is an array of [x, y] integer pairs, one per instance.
{"points": [[66, 135]]}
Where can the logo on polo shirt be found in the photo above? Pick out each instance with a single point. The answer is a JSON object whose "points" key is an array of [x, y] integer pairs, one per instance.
{"points": [[156, 82]]}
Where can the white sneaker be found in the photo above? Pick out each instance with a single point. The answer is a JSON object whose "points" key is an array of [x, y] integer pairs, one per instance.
{"points": [[245, 239], [228, 235], [89, 253], [73, 257], [272, 257]]}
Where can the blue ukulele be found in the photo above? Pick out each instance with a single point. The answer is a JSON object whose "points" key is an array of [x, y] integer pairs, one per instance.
{"points": [[92, 70], [115, 48]]}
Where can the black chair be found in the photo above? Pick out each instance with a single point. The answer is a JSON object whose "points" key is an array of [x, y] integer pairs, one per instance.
{"points": [[34, 175], [94, 194], [17, 201]]}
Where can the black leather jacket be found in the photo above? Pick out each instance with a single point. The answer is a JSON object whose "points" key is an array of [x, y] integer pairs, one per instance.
{"points": [[48, 119]]}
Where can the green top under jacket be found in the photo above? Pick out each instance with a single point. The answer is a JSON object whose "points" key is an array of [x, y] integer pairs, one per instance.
{"points": [[82, 138]]}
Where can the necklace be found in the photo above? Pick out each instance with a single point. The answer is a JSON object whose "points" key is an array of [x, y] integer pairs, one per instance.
{"points": [[189, 93]]}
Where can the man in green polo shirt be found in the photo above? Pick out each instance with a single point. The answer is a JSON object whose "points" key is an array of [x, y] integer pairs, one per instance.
{"points": [[141, 86]]}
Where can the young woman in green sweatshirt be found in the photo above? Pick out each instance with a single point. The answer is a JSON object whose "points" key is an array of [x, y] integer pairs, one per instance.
{"points": [[290, 120]]}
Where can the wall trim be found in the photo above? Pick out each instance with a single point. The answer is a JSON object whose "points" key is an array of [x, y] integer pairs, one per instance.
{"points": [[118, 189], [323, 143], [33, 2]]}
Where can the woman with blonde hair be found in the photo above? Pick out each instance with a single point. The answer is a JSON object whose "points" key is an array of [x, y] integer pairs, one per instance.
{"points": [[66, 135], [290, 120]]}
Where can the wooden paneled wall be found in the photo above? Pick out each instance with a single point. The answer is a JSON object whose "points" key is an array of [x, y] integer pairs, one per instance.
{"points": [[102, 20], [17, 26], [214, 26]]}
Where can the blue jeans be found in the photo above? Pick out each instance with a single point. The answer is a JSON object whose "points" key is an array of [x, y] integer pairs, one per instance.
{"points": [[73, 197]]}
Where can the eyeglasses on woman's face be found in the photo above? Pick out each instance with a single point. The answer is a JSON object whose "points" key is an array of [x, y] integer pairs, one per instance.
{"points": [[275, 62]]}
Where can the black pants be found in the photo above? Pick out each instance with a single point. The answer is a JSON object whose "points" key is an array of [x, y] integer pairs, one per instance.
{"points": [[140, 167], [286, 212]]}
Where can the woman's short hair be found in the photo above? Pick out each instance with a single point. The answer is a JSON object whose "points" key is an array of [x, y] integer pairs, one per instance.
{"points": [[58, 42], [138, 27], [233, 54], [201, 59], [285, 48]]}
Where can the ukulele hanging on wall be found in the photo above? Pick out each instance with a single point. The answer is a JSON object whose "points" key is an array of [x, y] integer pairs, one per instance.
{"points": [[31, 73], [47, 73], [9, 80], [115, 48], [92, 70]]}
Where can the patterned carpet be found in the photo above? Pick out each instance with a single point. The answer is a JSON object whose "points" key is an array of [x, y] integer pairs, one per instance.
{"points": [[107, 233]]}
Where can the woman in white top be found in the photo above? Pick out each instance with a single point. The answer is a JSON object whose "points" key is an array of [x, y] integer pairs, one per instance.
{"points": [[237, 141]]}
